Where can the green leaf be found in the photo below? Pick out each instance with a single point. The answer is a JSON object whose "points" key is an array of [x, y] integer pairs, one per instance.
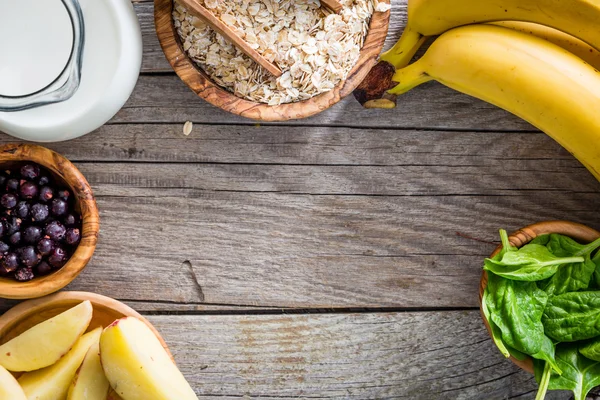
{"points": [[571, 278], [580, 375], [596, 260], [544, 381], [573, 316], [543, 240], [591, 349], [532, 262], [564, 246], [516, 308], [496, 333], [506, 246]]}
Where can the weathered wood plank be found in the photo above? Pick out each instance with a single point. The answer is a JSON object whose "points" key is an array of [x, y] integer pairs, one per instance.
{"points": [[433, 355], [494, 178], [238, 144], [167, 99], [305, 251]]}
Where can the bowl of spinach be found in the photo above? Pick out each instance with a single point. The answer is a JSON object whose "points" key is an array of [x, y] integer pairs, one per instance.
{"points": [[540, 301]]}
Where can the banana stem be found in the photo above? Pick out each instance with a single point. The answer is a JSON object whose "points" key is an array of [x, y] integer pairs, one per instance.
{"points": [[404, 49], [409, 78]]}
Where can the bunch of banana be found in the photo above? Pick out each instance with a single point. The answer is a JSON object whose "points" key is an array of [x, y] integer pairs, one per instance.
{"points": [[543, 75]]}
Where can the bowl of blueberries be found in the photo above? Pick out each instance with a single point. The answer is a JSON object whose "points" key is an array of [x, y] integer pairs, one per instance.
{"points": [[49, 221]]}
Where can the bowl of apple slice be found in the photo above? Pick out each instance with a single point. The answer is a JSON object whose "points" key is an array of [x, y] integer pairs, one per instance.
{"points": [[73, 345]]}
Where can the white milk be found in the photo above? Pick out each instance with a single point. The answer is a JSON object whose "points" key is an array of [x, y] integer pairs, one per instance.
{"points": [[36, 40]]}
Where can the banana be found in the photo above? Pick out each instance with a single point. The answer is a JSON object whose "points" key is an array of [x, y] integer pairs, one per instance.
{"points": [[576, 46], [578, 18], [532, 78]]}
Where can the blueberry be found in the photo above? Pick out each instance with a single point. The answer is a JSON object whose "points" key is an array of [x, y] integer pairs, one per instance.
{"points": [[8, 200], [58, 257], [72, 236], [70, 219], [32, 234], [39, 212], [22, 209], [28, 190], [46, 194], [29, 257], [63, 194], [55, 231], [13, 224], [12, 185], [59, 207], [43, 268], [9, 263], [15, 238], [44, 180], [30, 171], [4, 248], [24, 274], [45, 246]]}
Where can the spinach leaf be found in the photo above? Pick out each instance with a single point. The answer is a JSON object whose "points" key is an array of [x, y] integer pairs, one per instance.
{"points": [[570, 278], [596, 260], [591, 349], [542, 239], [543, 382], [516, 308], [532, 262], [496, 333], [580, 375], [573, 316]]}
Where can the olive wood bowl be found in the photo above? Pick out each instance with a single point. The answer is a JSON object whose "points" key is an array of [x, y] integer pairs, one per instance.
{"points": [[30, 313], [66, 173], [579, 232], [203, 86]]}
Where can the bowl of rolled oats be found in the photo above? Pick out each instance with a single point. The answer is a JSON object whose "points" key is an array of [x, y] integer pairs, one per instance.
{"points": [[323, 55]]}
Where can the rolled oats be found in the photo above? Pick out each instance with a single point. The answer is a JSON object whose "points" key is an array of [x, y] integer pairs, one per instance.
{"points": [[315, 48]]}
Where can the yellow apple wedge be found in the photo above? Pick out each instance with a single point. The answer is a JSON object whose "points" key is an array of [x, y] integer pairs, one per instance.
{"points": [[45, 343], [52, 383], [137, 366], [89, 383], [9, 387]]}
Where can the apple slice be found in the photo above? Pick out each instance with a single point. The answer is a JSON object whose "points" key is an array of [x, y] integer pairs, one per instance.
{"points": [[90, 382], [45, 343], [52, 383], [9, 387], [137, 366]]}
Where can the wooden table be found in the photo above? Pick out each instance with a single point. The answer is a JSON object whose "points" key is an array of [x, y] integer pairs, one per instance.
{"points": [[333, 257]]}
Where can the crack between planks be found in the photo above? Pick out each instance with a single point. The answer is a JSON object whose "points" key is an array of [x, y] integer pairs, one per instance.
{"points": [[272, 310], [321, 125]]}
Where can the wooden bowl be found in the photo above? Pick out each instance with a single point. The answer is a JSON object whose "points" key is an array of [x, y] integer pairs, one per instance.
{"points": [[65, 172], [30, 313], [579, 232], [203, 86]]}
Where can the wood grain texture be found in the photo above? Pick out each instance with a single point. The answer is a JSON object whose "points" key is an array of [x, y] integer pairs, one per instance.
{"points": [[416, 356], [333, 5], [165, 99], [201, 84], [323, 217], [66, 173]]}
